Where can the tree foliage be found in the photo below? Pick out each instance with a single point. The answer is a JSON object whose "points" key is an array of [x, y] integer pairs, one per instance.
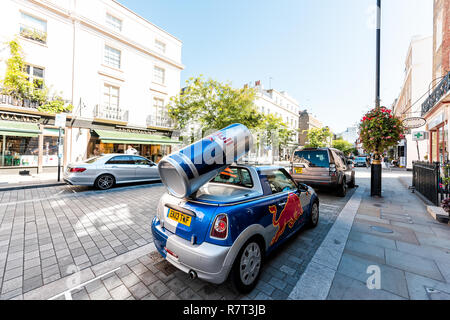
{"points": [[214, 105], [276, 131], [16, 83], [343, 145], [318, 137]]}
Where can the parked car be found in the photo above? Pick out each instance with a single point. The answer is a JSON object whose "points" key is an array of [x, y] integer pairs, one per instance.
{"points": [[360, 162], [105, 171], [323, 167], [229, 225]]}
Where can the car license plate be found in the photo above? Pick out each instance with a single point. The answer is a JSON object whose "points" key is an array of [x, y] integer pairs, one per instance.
{"points": [[298, 170], [180, 217]]}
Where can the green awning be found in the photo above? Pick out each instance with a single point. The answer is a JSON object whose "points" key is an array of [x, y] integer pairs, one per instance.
{"points": [[19, 129], [119, 137]]}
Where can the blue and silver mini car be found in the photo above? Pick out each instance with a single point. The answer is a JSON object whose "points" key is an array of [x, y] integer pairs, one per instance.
{"points": [[231, 223]]}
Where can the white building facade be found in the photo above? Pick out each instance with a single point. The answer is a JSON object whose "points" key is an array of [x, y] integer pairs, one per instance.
{"points": [[279, 104], [418, 78], [117, 69]]}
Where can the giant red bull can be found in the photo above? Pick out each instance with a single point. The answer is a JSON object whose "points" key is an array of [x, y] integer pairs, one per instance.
{"points": [[185, 171]]}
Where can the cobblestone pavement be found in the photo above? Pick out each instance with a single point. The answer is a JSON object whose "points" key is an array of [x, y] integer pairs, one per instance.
{"points": [[48, 233]]}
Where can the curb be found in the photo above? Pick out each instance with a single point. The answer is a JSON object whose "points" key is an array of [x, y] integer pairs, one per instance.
{"points": [[36, 186], [315, 283]]}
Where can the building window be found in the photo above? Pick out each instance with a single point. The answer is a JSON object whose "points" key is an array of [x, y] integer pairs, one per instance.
{"points": [[159, 75], [112, 57], [113, 22], [33, 28], [35, 75], [110, 101], [161, 113], [160, 46]]}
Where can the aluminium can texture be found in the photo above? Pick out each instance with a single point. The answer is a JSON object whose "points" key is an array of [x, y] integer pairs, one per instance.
{"points": [[185, 171]]}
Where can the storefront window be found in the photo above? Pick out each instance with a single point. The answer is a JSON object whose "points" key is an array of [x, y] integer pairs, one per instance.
{"points": [[50, 151], [434, 137], [19, 151]]}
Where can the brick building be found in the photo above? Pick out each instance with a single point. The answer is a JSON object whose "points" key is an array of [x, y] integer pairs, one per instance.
{"points": [[306, 122]]}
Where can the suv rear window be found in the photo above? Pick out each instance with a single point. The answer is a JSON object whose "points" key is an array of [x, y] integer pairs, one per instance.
{"points": [[235, 176], [314, 158]]}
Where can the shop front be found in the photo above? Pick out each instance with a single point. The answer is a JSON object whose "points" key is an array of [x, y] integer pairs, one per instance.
{"points": [[438, 131], [26, 143], [142, 142]]}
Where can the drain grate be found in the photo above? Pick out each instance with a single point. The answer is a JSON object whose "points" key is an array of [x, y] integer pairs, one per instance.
{"points": [[381, 229], [165, 267]]}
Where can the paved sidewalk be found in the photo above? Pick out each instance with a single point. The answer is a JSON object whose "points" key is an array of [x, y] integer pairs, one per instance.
{"points": [[396, 236], [8, 181]]}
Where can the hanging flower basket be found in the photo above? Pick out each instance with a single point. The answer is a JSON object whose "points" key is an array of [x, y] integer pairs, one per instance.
{"points": [[379, 130]]}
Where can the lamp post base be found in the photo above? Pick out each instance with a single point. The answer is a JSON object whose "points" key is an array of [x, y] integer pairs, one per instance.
{"points": [[375, 179]]}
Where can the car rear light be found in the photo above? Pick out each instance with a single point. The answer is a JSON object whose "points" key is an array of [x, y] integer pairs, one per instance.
{"points": [[219, 229], [78, 169], [332, 170], [170, 252]]}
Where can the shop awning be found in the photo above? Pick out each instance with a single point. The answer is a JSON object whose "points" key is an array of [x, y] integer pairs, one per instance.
{"points": [[119, 137], [19, 129]]}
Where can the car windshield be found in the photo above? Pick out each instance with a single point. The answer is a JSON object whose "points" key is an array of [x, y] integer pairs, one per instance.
{"points": [[235, 176], [360, 159], [92, 160], [314, 158]]}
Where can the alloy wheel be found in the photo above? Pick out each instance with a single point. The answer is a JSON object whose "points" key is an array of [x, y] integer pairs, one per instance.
{"points": [[250, 263]]}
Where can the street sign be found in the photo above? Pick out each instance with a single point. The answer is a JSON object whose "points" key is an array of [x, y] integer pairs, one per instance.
{"points": [[414, 122], [60, 120], [419, 135]]}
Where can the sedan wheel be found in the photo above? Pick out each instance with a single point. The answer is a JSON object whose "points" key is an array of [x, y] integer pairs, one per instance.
{"points": [[105, 182]]}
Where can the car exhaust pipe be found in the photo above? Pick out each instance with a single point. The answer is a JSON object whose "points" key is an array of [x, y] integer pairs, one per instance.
{"points": [[193, 275]]}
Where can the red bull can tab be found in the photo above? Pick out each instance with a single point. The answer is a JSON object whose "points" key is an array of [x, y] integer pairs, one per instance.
{"points": [[185, 171]]}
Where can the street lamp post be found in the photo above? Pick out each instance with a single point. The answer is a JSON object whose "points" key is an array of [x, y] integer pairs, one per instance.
{"points": [[375, 181]]}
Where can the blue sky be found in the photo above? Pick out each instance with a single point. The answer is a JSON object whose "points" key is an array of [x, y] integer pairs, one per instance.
{"points": [[322, 52]]}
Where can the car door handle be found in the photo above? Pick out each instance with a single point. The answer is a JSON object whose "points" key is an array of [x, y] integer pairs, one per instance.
{"points": [[114, 167], [282, 204]]}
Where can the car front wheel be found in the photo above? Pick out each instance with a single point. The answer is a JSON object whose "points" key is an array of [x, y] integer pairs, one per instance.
{"points": [[314, 216], [247, 266], [104, 182]]}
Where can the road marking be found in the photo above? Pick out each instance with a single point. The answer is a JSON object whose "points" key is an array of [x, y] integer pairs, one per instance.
{"points": [[68, 293]]}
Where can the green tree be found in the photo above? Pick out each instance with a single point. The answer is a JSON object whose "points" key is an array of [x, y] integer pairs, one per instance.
{"points": [[318, 137], [274, 126], [214, 105], [343, 145], [17, 84]]}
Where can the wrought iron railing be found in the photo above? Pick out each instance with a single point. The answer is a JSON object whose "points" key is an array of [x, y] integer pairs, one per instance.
{"points": [[442, 88], [432, 180], [154, 121], [13, 101], [110, 113]]}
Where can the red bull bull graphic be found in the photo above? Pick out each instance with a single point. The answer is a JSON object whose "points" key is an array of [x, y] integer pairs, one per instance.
{"points": [[291, 212]]}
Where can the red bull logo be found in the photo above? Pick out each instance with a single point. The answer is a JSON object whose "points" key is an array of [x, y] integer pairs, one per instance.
{"points": [[291, 212]]}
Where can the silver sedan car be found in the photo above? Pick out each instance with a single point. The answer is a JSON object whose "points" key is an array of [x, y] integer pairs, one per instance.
{"points": [[105, 171]]}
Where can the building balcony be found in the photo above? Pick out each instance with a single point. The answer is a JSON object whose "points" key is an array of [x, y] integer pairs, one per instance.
{"points": [[14, 102], [160, 122], [110, 113], [440, 94]]}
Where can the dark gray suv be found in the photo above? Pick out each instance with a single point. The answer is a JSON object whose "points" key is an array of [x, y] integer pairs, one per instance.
{"points": [[323, 167]]}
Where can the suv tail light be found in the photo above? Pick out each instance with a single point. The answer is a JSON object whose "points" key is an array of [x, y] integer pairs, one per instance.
{"points": [[78, 169], [332, 170], [219, 228]]}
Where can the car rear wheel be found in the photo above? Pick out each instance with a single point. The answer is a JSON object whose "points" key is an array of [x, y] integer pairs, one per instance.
{"points": [[342, 188], [104, 182], [352, 183], [247, 266], [314, 216]]}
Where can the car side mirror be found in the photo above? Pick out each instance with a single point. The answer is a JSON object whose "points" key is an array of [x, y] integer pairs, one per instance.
{"points": [[302, 187]]}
